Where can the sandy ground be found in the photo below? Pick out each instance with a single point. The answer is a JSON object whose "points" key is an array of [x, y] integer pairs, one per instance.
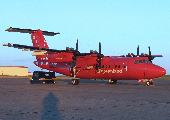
{"points": [[90, 100]]}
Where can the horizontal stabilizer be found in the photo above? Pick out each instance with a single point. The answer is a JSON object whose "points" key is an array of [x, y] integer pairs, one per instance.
{"points": [[10, 29]]}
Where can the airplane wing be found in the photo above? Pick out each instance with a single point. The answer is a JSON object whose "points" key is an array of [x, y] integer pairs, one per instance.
{"points": [[145, 55], [31, 48], [42, 51], [36, 49], [156, 56]]}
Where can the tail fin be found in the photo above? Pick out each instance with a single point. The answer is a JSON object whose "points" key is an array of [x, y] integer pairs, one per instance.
{"points": [[38, 39]]}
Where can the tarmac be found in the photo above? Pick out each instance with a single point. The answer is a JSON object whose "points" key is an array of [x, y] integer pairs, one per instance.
{"points": [[90, 100]]}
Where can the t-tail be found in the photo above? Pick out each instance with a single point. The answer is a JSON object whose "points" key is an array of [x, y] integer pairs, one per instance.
{"points": [[38, 39], [37, 36]]}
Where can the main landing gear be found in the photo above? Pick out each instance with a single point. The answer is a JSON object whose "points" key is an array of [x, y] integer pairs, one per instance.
{"points": [[112, 81], [75, 81], [149, 82]]}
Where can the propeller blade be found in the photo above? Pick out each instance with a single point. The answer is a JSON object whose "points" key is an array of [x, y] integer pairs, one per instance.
{"points": [[138, 50], [150, 57], [77, 45], [149, 51], [99, 54], [99, 47]]}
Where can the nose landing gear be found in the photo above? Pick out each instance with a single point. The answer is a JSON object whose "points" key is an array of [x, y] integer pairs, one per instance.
{"points": [[149, 82]]}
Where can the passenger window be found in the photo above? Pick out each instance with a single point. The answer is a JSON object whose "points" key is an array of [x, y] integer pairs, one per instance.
{"points": [[109, 66], [115, 66], [106, 66], [136, 62], [118, 66], [102, 66], [124, 66], [140, 61]]}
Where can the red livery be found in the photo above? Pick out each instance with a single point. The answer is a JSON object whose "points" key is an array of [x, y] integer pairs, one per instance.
{"points": [[91, 65]]}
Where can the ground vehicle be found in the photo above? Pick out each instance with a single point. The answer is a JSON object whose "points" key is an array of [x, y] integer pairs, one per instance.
{"points": [[43, 77]]}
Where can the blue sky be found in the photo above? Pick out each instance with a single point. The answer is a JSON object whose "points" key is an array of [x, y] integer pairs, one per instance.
{"points": [[120, 26]]}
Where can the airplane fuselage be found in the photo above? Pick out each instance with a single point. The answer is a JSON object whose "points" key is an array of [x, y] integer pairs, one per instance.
{"points": [[116, 68]]}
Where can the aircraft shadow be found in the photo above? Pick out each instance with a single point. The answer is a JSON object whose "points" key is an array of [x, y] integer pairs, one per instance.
{"points": [[50, 110]]}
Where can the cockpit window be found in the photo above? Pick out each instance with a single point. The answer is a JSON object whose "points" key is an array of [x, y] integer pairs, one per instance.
{"points": [[141, 61], [146, 61]]}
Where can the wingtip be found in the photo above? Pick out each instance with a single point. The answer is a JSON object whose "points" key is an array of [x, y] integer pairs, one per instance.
{"points": [[8, 28], [5, 44]]}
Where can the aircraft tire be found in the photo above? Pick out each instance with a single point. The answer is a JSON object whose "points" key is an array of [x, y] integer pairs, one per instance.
{"points": [[113, 81], [148, 83], [75, 82]]}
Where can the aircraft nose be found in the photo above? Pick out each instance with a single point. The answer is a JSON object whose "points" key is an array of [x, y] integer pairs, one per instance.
{"points": [[156, 71], [162, 71]]}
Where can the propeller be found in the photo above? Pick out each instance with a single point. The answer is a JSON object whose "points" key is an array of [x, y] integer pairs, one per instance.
{"points": [[150, 57], [76, 52], [99, 55]]}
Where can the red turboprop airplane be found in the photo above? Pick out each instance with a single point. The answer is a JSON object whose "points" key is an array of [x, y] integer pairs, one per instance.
{"points": [[91, 65]]}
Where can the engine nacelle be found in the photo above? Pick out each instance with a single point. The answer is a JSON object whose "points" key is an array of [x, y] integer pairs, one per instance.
{"points": [[86, 60]]}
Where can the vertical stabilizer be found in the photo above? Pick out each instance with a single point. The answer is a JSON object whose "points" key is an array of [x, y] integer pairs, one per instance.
{"points": [[38, 39]]}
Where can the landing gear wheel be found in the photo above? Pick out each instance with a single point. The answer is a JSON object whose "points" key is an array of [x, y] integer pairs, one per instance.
{"points": [[113, 81], [43, 82], [75, 81], [148, 83]]}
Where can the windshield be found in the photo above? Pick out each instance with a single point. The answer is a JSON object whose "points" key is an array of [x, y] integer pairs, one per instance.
{"points": [[141, 61], [146, 61]]}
